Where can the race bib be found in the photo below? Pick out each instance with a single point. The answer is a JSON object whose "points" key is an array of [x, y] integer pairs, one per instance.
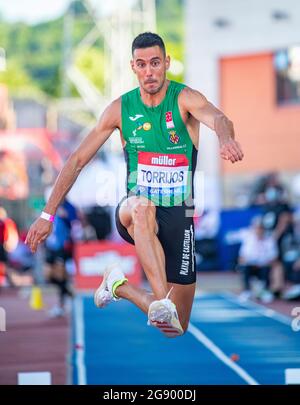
{"points": [[162, 174]]}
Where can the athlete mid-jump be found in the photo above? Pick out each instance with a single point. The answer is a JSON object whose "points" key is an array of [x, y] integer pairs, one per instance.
{"points": [[159, 129]]}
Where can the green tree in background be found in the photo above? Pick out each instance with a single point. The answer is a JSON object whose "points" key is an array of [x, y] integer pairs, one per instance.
{"points": [[35, 53], [91, 62], [16, 78], [170, 25]]}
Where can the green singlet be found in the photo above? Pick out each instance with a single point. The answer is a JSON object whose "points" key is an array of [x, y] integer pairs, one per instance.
{"points": [[159, 152]]}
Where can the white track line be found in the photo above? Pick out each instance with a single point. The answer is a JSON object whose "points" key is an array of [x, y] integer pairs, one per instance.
{"points": [[34, 378], [268, 312], [79, 341], [220, 355]]}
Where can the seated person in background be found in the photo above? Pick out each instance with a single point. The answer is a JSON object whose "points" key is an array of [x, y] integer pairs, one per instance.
{"points": [[284, 236], [256, 256], [291, 260], [277, 219], [21, 264], [9, 238], [59, 249], [293, 293], [206, 230], [266, 189]]}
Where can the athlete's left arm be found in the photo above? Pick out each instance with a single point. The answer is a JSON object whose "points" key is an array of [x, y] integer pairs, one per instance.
{"points": [[196, 104]]}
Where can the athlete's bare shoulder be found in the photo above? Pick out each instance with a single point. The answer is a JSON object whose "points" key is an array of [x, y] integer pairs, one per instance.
{"points": [[189, 97], [112, 114]]}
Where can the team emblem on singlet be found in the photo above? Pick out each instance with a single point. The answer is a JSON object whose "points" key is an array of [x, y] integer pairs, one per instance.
{"points": [[162, 174], [173, 137], [169, 120]]}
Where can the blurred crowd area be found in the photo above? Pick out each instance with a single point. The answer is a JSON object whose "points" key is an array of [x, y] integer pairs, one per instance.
{"points": [[261, 242], [54, 261]]}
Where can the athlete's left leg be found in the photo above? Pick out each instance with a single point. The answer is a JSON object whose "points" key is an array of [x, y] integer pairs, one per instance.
{"points": [[181, 295], [138, 296]]}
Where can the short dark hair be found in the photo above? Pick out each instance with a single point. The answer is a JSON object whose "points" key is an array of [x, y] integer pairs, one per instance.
{"points": [[146, 40]]}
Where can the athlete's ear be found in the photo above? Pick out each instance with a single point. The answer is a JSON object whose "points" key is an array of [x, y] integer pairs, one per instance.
{"points": [[132, 66], [167, 62]]}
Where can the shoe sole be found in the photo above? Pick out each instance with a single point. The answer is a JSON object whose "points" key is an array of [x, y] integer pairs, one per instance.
{"points": [[101, 288], [167, 329], [160, 318]]}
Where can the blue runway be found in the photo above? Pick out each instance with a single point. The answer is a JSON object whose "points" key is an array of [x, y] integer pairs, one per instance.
{"points": [[115, 346]]}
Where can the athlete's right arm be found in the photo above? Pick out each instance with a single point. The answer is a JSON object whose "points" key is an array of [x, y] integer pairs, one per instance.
{"points": [[108, 122]]}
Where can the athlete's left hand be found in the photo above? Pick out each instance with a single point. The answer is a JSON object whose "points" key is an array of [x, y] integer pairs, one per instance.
{"points": [[230, 150]]}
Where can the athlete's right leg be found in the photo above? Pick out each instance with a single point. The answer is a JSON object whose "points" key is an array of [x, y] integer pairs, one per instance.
{"points": [[137, 215]]}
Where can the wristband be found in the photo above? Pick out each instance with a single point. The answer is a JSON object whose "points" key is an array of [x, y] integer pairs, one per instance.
{"points": [[47, 217]]}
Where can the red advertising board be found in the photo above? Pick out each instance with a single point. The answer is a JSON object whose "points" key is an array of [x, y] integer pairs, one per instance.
{"points": [[93, 258], [2, 274]]}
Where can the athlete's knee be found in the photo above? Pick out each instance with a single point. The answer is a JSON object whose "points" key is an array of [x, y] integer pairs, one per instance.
{"points": [[126, 211], [144, 214], [125, 215]]}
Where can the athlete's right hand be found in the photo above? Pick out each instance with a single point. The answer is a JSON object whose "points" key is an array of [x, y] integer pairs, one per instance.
{"points": [[230, 149], [37, 233]]}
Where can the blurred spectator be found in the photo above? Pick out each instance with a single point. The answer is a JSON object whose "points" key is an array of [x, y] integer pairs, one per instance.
{"points": [[284, 236], [295, 189], [257, 253], [59, 249], [86, 232], [291, 260], [100, 219], [277, 219], [21, 263], [293, 293], [11, 236], [206, 230], [273, 209], [8, 241], [268, 189], [3, 253]]}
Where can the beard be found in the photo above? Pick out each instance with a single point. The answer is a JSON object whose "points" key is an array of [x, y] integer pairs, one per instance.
{"points": [[155, 90]]}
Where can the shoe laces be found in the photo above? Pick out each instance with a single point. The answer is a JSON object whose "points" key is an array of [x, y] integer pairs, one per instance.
{"points": [[167, 296], [169, 304]]}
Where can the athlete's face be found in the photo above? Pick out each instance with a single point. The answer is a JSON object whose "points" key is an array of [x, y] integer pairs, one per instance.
{"points": [[150, 66]]}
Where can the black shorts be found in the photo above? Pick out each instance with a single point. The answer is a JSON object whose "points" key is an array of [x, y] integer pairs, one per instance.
{"points": [[56, 256], [177, 237]]}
